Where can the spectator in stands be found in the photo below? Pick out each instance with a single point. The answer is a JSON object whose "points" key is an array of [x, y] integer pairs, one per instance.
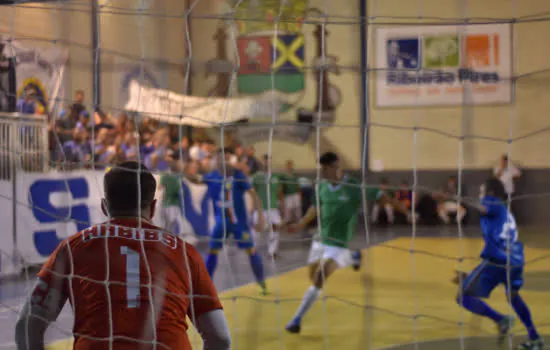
{"points": [[207, 163], [102, 121], [121, 123], [384, 198], [162, 156], [448, 202], [78, 102], [192, 170], [209, 147], [130, 146], [181, 150], [251, 160], [147, 126], [508, 174], [105, 149], [196, 151], [146, 146], [65, 126], [77, 152], [404, 195], [29, 103]]}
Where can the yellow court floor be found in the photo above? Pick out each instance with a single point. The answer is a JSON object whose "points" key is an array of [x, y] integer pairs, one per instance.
{"points": [[394, 283]]}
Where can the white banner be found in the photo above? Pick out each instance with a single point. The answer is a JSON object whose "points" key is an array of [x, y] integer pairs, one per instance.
{"points": [[168, 106], [54, 206], [443, 65], [39, 69]]}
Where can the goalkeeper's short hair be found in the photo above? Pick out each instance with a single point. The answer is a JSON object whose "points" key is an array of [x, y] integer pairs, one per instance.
{"points": [[129, 186]]}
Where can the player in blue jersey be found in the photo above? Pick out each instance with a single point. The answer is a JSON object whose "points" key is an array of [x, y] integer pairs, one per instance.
{"points": [[230, 213], [503, 263]]}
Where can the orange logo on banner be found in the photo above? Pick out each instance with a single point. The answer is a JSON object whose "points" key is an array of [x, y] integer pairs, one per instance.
{"points": [[482, 50]]}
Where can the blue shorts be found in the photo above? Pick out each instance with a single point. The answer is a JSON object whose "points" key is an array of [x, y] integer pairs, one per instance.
{"points": [[221, 232], [487, 276]]}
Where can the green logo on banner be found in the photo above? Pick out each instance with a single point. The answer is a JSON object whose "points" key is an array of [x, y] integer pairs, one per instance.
{"points": [[441, 51]]}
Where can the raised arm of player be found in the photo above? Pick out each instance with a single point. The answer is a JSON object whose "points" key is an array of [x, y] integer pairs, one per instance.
{"points": [[207, 313], [44, 303], [311, 214]]}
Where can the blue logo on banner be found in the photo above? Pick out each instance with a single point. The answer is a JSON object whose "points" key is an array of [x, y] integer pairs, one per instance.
{"points": [[199, 221], [46, 213], [403, 53]]}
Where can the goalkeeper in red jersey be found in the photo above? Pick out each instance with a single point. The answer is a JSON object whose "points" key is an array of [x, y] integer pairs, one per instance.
{"points": [[130, 284]]}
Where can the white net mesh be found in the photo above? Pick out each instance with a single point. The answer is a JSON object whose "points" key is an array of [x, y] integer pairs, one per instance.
{"points": [[409, 94]]}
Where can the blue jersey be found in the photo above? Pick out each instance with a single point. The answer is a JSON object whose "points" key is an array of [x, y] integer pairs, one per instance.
{"points": [[500, 234], [228, 195]]}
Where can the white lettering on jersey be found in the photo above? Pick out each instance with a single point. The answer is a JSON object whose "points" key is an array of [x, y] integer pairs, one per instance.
{"points": [[509, 229], [132, 233]]}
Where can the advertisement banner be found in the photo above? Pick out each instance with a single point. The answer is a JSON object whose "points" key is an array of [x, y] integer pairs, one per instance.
{"points": [[40, 70], [54, 206], [443, 65]]}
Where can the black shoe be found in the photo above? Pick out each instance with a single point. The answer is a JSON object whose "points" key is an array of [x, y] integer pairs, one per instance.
{"points": [[293, 327]]}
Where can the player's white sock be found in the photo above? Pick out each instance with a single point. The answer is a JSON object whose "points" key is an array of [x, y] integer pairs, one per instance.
{"points": [[389, 212], [309, 298], [273, 244]]}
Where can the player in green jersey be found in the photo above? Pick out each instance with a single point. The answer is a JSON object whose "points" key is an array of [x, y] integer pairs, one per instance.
{"points": [[270, 195], [292, 195], [172, 217], [339, 200]]}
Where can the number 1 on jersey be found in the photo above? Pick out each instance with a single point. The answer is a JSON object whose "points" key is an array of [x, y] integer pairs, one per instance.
{"points": [[132, 277]]}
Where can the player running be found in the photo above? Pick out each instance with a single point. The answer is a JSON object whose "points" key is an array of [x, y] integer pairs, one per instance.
{"points": [[231, 217], [339, 200], [501, 240], [171, 213], [272, 215], [127, 280]]}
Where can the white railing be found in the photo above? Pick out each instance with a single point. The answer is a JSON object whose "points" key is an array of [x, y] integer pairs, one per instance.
{"points": [[23, 143]]}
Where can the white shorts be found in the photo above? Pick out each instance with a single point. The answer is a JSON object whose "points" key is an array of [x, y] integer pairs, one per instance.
{"points": [[272, 214], [320, 251], [171, 217], [293, 202]]}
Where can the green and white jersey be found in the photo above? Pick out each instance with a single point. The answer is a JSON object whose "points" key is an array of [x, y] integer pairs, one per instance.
{"points": [[291, 185], [340, 204], [259, 183], [172, 186]]}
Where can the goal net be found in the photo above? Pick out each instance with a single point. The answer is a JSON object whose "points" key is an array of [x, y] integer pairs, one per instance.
{"points": [[422, 101]]}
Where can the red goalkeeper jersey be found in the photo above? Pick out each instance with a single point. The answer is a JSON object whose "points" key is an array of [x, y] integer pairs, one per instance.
{"points": [[130, 283]]}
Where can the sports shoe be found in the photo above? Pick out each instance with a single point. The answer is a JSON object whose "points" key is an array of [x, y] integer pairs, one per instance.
{"points": [[504, 327], [293, 326], [537, 344], [356, 258]]}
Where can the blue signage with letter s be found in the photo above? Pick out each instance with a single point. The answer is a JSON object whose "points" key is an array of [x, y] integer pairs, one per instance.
{"points": [[45, 212], [199, 221]]}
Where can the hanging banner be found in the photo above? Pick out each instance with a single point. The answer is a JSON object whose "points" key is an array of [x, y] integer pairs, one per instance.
{"points": [[204, 112], [38, 72], [443, 65]]}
